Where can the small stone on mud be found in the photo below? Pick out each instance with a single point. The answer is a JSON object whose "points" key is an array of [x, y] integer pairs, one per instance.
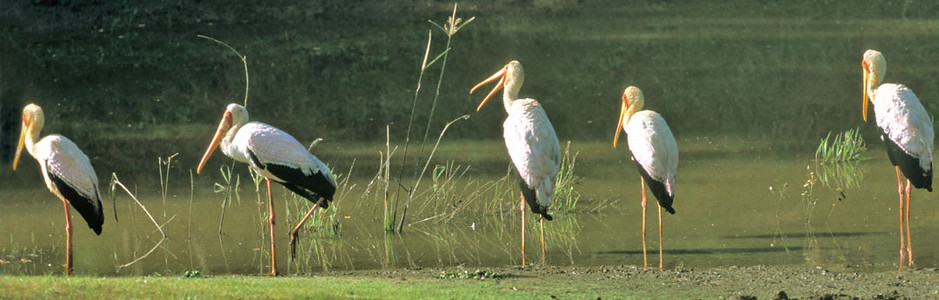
{"points": [[781, 295], [743, 297]]}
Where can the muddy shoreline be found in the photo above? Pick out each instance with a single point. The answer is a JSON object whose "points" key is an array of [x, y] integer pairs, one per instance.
{"points": [[732, 282]]}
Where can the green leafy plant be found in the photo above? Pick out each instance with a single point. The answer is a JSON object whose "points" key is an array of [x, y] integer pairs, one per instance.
{"points": [[837, 160], [565, 194], [230, 189], [450, 28], [845, 147]]}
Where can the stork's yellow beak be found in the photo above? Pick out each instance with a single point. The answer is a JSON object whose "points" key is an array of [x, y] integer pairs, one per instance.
{"points": [[223, 128], [864, 99], [20, 143], [622, 116], [501, 76]]}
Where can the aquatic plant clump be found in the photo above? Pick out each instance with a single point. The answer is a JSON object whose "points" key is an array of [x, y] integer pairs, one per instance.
{"points": [[566, 197], [838, 158], [845, 147]]}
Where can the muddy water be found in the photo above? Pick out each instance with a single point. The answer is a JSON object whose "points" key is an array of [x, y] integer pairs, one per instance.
{"points": [[738, 203]]}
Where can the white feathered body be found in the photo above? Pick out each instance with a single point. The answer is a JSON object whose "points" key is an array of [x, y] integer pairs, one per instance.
{"points": [[533, 147], [271, 145], [653, 146], [905, 122], [59, 156]]}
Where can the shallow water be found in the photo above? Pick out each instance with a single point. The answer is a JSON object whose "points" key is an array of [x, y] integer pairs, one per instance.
{"points": [[738, 203]]}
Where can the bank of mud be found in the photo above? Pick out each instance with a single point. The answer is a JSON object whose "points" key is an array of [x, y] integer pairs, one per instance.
{"points": [[759, 282]]}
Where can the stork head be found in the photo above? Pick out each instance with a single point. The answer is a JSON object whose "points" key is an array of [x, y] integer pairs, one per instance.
{"points": [[33, 119], [632, 102], [511, 77], [235, 115], [874, 66]]}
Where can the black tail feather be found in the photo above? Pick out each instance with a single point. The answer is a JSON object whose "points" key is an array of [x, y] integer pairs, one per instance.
{"points": [[658, 189], [909, 166], [89, 209], [531, 199], [311, 187]]}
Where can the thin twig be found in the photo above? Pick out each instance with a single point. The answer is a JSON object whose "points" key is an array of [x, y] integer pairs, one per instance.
{"points": [[244, 61], [116, 182], [451, 28], [417, 92], [424, 170]]}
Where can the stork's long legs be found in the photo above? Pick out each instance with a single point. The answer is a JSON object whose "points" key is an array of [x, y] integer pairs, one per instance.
{"points": [[660, 236], [900, 192], [270, 201], [522, 205], [294, 234], [542, 240], [906, 216], [645, 263], [68, 239]]}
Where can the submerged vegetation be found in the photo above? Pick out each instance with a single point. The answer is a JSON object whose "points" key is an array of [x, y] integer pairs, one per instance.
{"points": [[838, 160]]}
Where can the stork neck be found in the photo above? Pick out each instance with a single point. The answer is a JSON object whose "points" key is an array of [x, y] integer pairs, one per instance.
{"points": [[632, 110], [227, 144], [509, 95], [874, 82], [32, 137]]}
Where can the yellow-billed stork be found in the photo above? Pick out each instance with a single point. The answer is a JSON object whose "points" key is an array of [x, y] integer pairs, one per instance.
{"points": [[531, 143], [277, 156], [67, 172], [908, 133], [655, 152]]}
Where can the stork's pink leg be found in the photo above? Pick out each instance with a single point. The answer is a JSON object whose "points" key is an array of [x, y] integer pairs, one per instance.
{"points": [[294, 234], [270, 202], [645, 262], [542, 240], [68, 239], [660, 236], [522, 205], [906, 216], [900, 191]]}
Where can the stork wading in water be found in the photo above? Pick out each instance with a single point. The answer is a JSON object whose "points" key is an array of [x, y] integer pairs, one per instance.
{"points": [[67, 172], [908, 133], [531, 142], [655, 152], [277, 156]]}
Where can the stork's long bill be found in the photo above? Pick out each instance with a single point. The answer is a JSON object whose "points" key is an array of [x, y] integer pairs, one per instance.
{"points": [[622, 116], [501, 76], [864, 86], [22, 141], [223, 128]]}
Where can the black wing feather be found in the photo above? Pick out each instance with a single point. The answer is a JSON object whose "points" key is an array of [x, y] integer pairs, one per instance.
{"points": [[532, 199], [658, 189], [311, 187], [909, 165], [85, 206]]}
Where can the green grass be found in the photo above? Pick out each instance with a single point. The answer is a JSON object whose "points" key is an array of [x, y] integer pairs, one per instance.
{"points": [[565, 194], [242, 287]]}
